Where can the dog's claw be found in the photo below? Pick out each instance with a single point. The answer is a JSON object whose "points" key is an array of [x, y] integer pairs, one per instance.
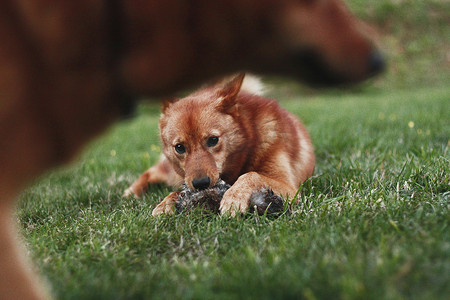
{"points": [[229, 211]]}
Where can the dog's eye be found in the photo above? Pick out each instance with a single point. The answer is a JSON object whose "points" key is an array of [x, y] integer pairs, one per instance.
{"points": [[180, 148], [212, 141]]}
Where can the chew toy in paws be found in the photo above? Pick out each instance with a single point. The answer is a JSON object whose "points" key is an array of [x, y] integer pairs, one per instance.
{"points": [[210, 198], [266, 200]]}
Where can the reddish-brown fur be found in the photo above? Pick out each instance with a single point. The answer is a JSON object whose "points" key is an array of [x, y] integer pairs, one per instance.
{"points": [[259, 145], [69, 68]]}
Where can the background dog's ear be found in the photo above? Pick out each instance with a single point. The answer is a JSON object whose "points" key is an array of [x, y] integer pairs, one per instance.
{"points": [[167, 103], [228, 94]]}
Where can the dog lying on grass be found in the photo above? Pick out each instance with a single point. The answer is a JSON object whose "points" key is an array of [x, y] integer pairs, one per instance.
{"points": [[229, 132], [70, 68]]}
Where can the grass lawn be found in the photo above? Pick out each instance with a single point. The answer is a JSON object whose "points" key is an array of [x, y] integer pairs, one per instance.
{"points": [[373, 223]]}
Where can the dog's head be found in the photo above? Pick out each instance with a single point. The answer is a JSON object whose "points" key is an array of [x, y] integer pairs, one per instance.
{"points": [[200, 134]]}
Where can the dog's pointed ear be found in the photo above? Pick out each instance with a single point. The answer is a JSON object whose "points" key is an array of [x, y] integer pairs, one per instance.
{"points": [[168, 103], [228, 94]]}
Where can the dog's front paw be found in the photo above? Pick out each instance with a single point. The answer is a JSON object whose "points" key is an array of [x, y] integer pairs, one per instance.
{"points": [[163, 208], [167, 206], [234, 201], [128, 192]]}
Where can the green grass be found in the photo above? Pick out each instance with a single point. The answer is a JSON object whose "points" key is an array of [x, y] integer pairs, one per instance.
{"points": [[373, 223]]}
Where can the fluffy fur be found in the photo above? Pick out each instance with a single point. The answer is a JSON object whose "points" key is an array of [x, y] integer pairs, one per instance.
{"points": [[225, 132]]}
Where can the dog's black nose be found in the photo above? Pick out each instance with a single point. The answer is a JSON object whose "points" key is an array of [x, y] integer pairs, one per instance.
{"points": [[377, 63], [201, 183]]}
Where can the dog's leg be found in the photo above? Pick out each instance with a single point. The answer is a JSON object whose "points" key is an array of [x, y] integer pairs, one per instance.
{"points": [[237, 198], [17, 280], [167, 205], [162, 172]]}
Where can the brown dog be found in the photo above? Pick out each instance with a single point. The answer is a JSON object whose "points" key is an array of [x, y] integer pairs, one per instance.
{"points": [[69, 68], [225, 131]]}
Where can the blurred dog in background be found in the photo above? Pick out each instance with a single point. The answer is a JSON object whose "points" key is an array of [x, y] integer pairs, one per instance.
{"points": [[70, 68]]}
